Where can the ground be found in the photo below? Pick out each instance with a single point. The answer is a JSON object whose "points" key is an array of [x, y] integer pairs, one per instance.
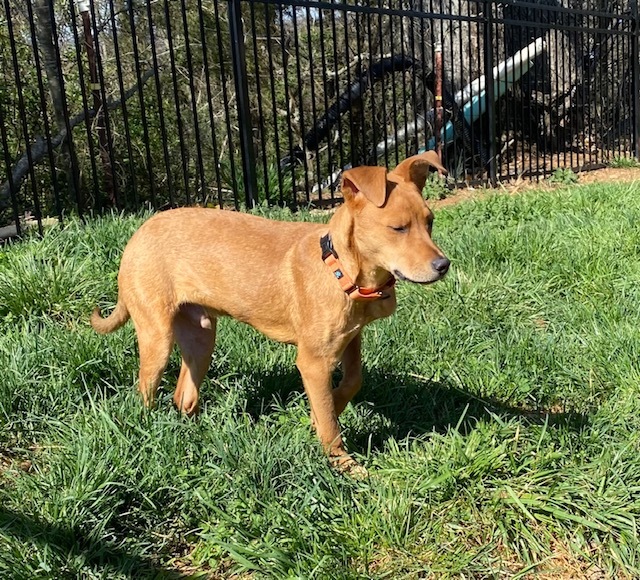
{"points": [[499, 419], [605, 175]]}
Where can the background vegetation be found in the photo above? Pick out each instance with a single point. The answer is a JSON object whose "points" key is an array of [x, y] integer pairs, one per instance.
{"points": [[159, 124]]}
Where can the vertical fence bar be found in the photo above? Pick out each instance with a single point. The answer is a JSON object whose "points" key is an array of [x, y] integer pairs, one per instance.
{"points": [[176, 96], [285, 80], [125, 111], [336, 66], [296, 44], [274, 111], [525, 113], [225, 100], [560, 67], [323, 60], [314, 110], [239, 64], [438, 99], [141, 103], [194, 106], [413, 147], [75, 170], [394, 94], [205, 62], [261, 116], [13, 194], [383, 88], [542, 148], [586, 90], [158, 86], [635, 78], [353, 159], [489, 88], [402, 73], [45, 116], [372, 97], [97, 196], [97, 90], [360, 121], [23, 120]]}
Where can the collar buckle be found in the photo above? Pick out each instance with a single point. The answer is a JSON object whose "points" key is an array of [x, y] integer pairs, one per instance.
{"points": [[330, 258], [326, 243]]}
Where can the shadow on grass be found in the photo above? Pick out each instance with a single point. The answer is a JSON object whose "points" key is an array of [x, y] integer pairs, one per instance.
{"points": [[410, 405], [70, 543], [415, 405]]}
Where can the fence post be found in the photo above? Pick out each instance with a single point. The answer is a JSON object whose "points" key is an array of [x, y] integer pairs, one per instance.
{"points": [[635, 79], [242, 99], [489, 88]]}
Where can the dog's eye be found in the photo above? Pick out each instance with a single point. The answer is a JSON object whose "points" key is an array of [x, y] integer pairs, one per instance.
{"points": [[400, 229]]}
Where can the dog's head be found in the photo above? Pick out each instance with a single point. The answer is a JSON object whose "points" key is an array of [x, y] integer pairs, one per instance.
{"points": [[392, 223]]}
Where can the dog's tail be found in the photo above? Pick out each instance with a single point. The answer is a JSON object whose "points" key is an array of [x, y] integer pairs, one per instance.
{"points": [[112, 322]]}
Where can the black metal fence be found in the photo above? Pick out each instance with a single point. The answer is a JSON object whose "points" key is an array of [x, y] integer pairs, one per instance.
{"points": [[125, 103]]}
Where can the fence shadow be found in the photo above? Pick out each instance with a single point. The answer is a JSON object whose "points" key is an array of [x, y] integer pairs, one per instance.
{"points": [[72, 542], [407, 405]]}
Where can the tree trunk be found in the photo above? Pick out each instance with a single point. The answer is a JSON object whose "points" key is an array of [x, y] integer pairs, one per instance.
{"points": [[44, 34]]}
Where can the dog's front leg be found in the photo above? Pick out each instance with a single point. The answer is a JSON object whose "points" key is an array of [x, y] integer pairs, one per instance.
{"points": [[316, 377], [351, 375]]}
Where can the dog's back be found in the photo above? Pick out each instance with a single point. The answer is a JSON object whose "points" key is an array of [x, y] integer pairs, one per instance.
{"points": [[231, 263]]}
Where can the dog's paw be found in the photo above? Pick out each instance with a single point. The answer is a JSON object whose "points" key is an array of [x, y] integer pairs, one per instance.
{"points": [[347, 465]]}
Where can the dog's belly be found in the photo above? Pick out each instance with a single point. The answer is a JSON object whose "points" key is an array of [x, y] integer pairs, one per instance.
{"points": [[278, 330], [274, 332]]}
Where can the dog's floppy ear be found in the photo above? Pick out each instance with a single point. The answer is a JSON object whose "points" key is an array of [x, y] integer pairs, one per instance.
{"points": [[417, 168], [370, 181]]}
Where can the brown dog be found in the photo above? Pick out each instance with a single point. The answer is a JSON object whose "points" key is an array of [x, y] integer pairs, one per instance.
{"points": [[312, 285]]}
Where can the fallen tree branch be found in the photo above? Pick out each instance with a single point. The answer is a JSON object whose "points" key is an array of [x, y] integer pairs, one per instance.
{"points": [[41, 146]]}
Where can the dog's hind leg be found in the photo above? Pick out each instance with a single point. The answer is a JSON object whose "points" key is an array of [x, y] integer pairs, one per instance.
{"points": [[155, 347], [196, 344], [351, 375]]}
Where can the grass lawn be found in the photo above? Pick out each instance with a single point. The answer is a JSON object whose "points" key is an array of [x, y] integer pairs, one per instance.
{"points": [[500, 417]]}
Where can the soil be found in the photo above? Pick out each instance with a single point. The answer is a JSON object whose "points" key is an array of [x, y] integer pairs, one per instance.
{"points": [[605, 175]]}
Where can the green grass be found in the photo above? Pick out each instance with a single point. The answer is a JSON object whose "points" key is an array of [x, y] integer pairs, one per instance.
{"points": [[500, 417], [624, 162]]}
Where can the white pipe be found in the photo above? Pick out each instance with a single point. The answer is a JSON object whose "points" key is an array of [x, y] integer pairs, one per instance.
{"points": [[504, 71]]}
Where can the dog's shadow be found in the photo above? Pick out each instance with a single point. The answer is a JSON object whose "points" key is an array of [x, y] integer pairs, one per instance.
{"points": [[98, 555], [394, 406]]}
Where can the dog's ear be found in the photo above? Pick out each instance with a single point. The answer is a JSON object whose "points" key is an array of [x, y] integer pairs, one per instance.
{"points": [[370, 181], [417, 168]]}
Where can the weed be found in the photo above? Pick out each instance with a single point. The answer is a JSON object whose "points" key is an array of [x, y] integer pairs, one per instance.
{"points": [[563, 176], [624, 162]]}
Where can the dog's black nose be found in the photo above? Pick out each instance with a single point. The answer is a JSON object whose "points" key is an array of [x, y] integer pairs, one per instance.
{"points": [[441, 265]]}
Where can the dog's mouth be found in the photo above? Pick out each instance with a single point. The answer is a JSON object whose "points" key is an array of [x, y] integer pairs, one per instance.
{"points": [[400, 276]]}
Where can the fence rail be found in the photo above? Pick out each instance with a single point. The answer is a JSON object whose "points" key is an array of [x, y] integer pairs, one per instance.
{"points": [[124, 104]]}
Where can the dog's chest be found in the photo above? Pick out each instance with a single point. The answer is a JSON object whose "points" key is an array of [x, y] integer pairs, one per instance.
{"points": [[380, 308], [369, 312]]}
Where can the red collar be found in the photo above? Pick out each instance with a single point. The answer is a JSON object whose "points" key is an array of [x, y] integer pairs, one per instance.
{"points": [[330, 258]]}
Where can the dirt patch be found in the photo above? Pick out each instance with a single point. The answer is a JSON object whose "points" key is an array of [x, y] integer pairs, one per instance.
{"points": [[11, 461], [610, 175], [605, 175]]}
